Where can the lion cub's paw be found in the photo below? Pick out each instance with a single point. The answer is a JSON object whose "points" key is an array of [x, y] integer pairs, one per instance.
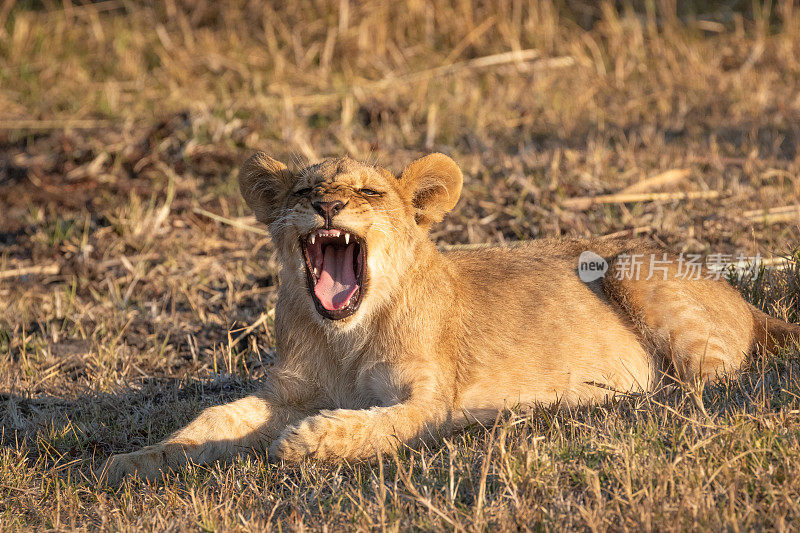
{"points": [[330, 435], [295, 443], [315, 436], [146, 463]]}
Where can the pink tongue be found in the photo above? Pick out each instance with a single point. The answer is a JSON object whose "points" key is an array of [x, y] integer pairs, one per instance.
{"points": [[337, 282]]}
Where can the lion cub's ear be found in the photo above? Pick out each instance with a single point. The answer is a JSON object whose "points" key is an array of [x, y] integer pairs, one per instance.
{"points": [[433, 184], [263, 181]]}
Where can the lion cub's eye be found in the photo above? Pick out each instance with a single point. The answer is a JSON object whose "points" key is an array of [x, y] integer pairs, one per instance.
{"points": [[370, 192], [302, 192]]}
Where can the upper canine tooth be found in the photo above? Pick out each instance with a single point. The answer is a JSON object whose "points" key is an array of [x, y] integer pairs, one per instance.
{"points": [[347, 238], [313, 238]]}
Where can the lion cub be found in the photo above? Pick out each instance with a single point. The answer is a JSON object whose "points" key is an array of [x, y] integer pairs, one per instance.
{"points": [[383, 340]]}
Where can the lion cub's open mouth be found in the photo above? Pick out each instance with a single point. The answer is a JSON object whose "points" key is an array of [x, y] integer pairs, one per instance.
{"points": [[334, 270]]}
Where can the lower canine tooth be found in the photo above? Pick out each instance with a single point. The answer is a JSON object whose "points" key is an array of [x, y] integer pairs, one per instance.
{"points": [[347, 238]]}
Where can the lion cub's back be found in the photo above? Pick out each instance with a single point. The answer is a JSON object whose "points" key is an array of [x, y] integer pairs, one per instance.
{"points": [[538, 265]]}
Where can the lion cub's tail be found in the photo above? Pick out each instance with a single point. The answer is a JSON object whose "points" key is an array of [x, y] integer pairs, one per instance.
{"points": [[773, 333]]}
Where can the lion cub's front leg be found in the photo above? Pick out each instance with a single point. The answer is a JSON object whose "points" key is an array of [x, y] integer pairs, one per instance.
{"points": [[219, 432], [359, 433]]}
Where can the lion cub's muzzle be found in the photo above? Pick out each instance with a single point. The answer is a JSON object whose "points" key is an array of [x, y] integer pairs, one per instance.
{"points": [[334, 261]]}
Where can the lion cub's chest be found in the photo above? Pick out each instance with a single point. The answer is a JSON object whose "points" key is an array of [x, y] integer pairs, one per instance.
{"points": [[368, 385]]}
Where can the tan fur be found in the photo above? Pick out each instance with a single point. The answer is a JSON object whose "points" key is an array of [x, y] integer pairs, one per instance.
{"points": [[441, 339]]}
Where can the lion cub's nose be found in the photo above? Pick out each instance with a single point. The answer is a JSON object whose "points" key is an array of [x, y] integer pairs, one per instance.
{"points": [[328, 210]]}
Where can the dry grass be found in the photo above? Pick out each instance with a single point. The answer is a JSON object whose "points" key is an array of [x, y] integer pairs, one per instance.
{"points": [[124, 309]]}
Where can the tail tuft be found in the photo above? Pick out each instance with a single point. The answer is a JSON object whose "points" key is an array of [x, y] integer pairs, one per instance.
{"points": [[773, 333]]}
